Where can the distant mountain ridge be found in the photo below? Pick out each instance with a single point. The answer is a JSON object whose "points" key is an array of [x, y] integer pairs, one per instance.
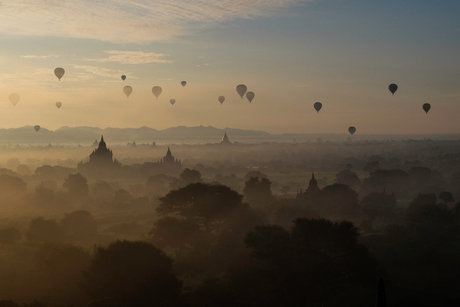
{"points": [[86, 136]]}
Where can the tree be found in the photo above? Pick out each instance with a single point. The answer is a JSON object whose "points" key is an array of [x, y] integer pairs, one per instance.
{"points": [[43, 195], [446, 197], [379, 205], [174, 232], [158, 185], [134, 273], [60, 269], [76, 184], [190, 176], [349, 178], [43, 230], [102, 190], [46, 171], [310, 265], [12, 186], [257, 174], [8, 236], [258, 192], [79, 224], [23, 169], [338, 199], [371, 166], [421, 201], [207, 204]]}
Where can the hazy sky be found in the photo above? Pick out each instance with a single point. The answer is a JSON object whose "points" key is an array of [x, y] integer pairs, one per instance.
{"points": [[291, 54]]}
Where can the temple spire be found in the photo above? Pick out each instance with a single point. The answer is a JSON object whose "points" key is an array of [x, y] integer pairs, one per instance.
{"points": [[313, 183], [225, 139]]}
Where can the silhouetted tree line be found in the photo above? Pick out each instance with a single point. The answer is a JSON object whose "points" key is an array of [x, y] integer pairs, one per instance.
{"points": [[230, 240]]}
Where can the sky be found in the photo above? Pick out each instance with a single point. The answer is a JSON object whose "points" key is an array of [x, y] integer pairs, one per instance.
{"points": [[291, 54]]}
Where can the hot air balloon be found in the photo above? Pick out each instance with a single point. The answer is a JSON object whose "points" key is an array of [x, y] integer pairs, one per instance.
{"points": [[241, 90], [221, 99], [172, 101], [37, 128], [59, 72], [318, 106], [250, 96], [123, 77], [183, 83], [393, 88], [58, 104], [127, 90], [156, 90], [352, 130], [426, 107], [14, 98]]}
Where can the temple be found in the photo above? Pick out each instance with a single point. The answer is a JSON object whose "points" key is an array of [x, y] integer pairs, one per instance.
{"points": [[100, 160], [312, 192], [169, 159], [168, 165], [225, 139]]}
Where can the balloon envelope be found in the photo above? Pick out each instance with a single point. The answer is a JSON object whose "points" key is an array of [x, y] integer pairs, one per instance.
{"points": [[318, 106], [58, 104], [59, 72], [123, 77], [172, 101], [250, 96], [426, 107], [37, 128], [393, 88], [183, 83], [127, 90], [156, 90], [352, 130], [241, 90], [221, 99], [14, 98]]}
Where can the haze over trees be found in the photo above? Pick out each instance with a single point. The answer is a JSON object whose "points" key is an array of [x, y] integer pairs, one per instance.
{"points": [[236, 225]]}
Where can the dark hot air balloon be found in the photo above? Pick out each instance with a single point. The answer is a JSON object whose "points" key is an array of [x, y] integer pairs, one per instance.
{"points": [[241, 90], [318, 106], [59, 72], [58, 104], [250, 96], [156, 90], [393, 88], [172, 101], [426, 107], [37, 128], [127, 90], [183, 83], [352, 130], [123, 77], [221, 99]]}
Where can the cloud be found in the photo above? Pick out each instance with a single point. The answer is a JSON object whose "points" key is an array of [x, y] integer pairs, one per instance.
{"points": [[40, 56], [132, 57], [127, 21], [103, 72]]}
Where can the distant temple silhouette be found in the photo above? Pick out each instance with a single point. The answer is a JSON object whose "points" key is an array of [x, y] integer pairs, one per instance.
{"points": [[225, 139], [100, 160], [312, 193], [169, 159], [313, 184], [168, 165]]}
